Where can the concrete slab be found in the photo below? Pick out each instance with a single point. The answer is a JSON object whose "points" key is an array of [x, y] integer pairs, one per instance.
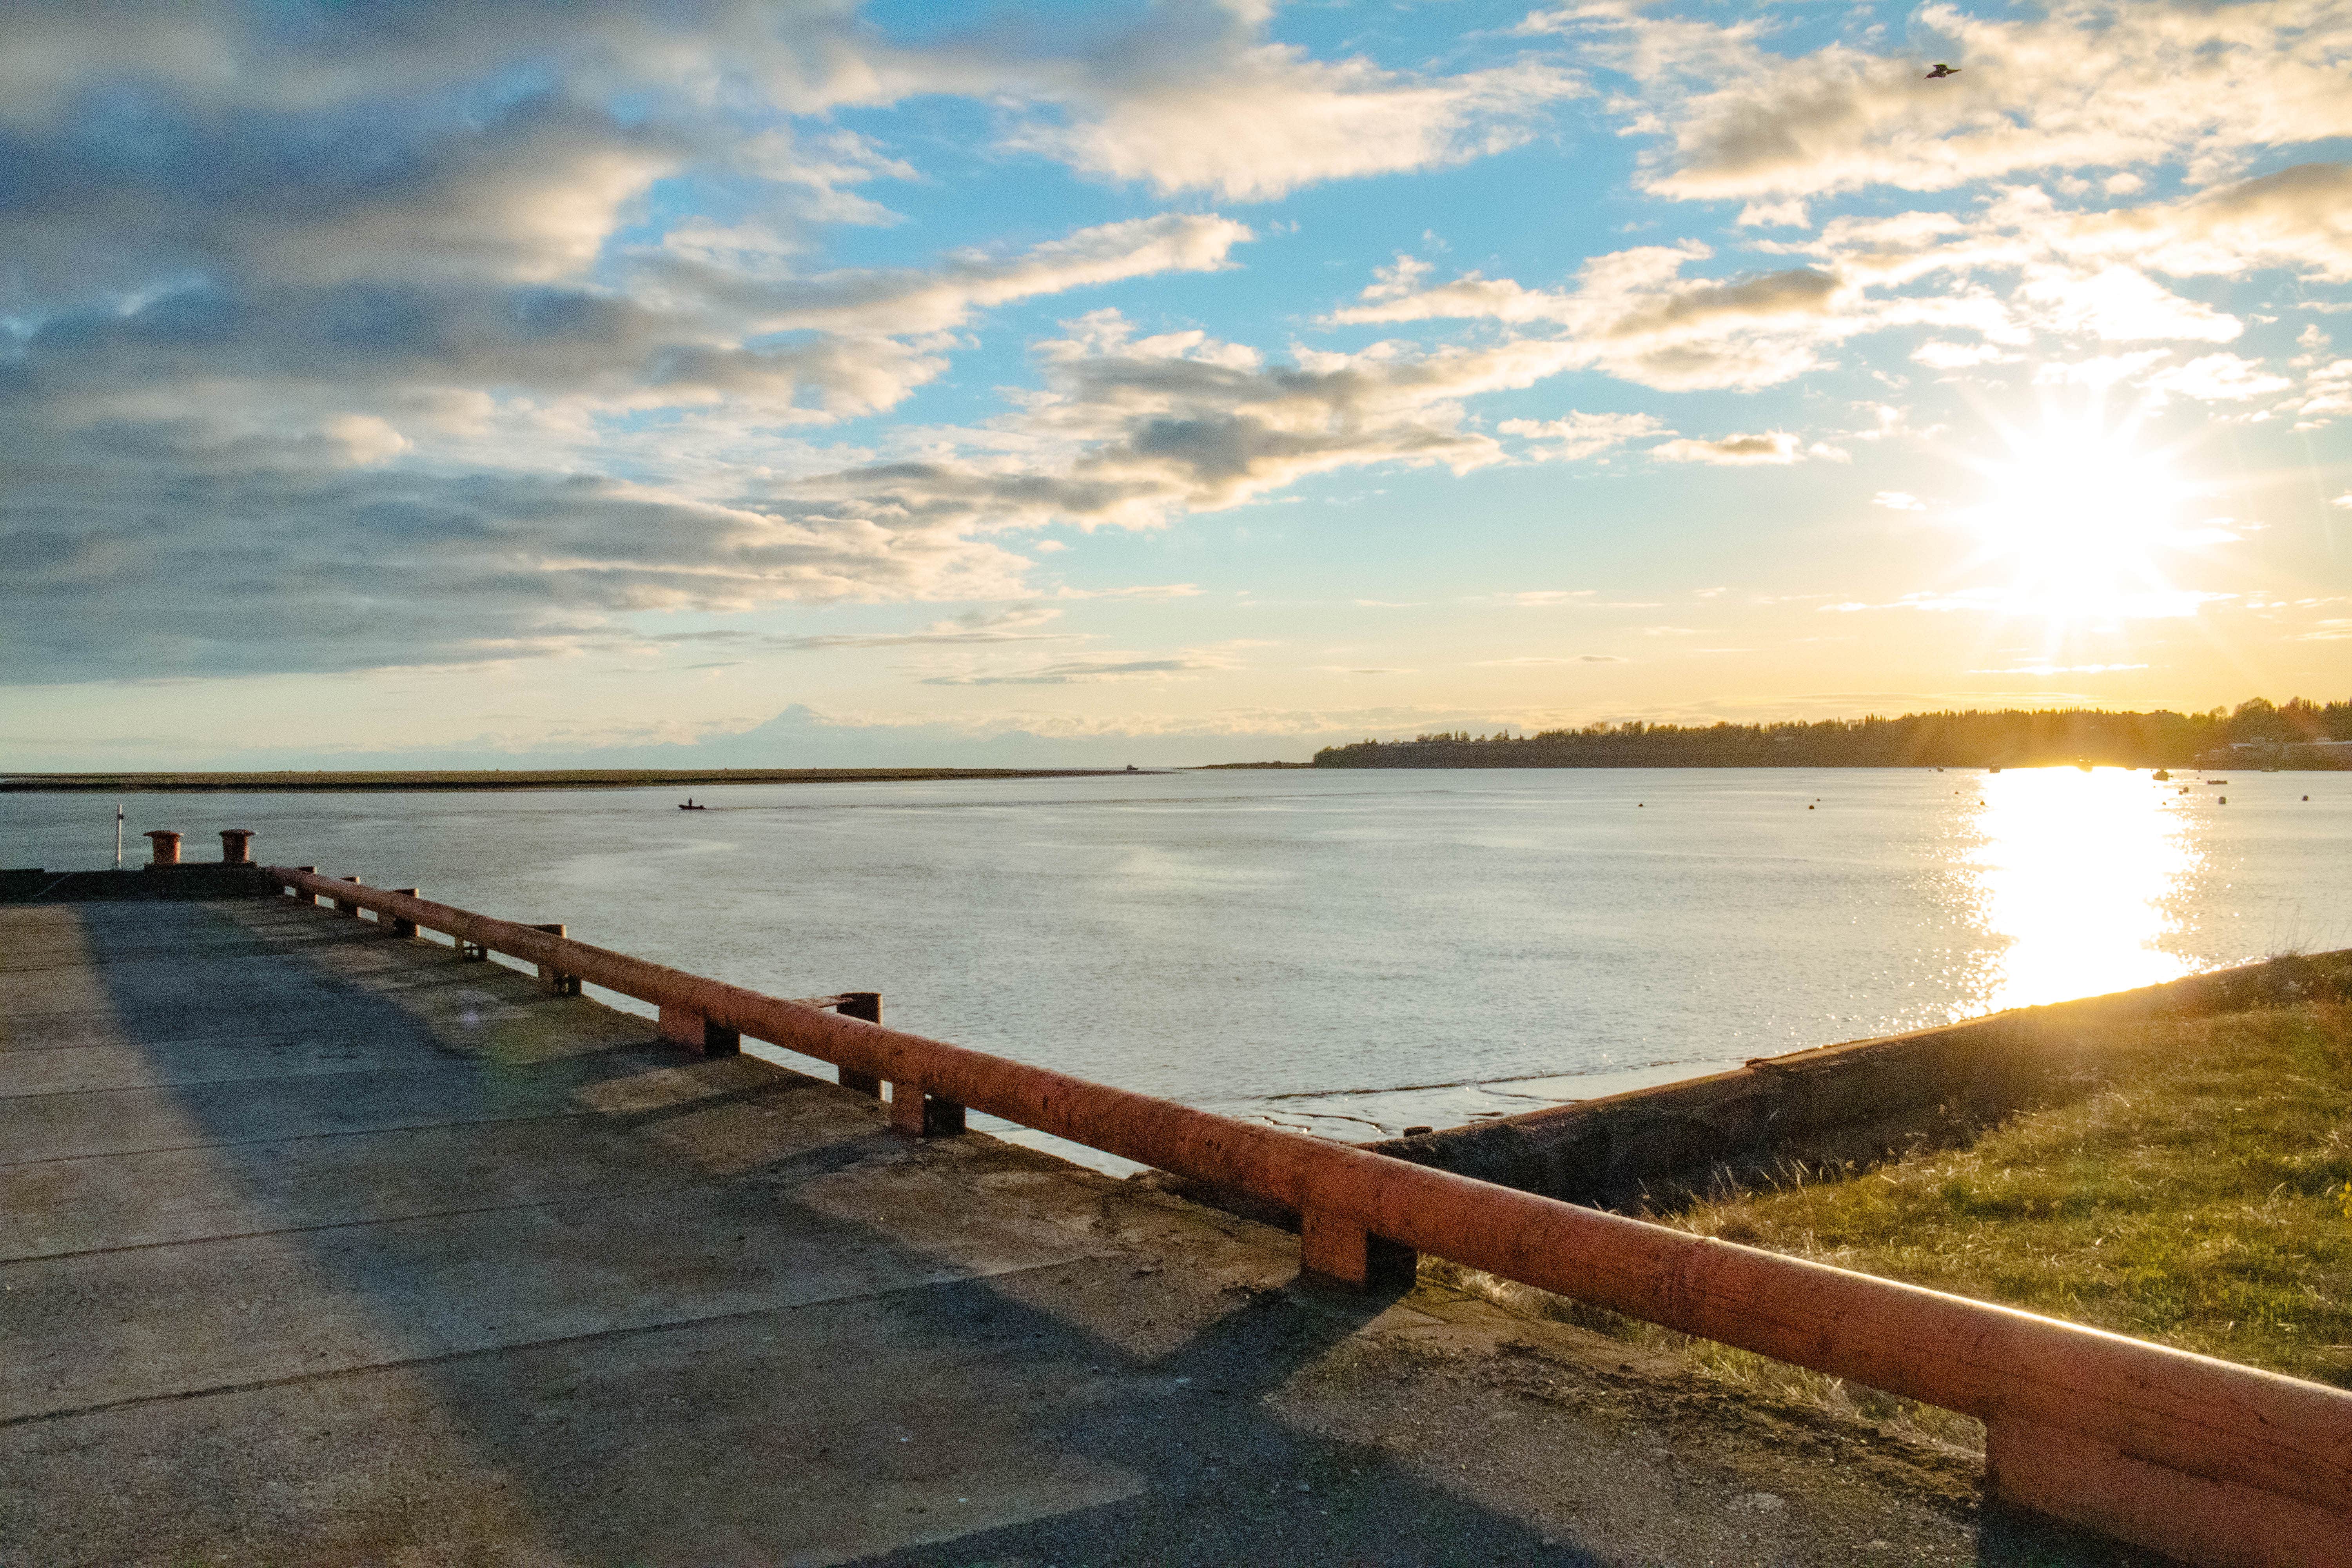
{"points": [[452, 1270]]}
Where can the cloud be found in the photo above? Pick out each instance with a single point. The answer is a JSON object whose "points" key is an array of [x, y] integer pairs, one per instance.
{"points": [[1581, 434], [1898, 501], [2076, 84], [1939, 355], [473, 332], [1127, 431], [908, 301], [1529, 662], [1634, 315], [338, 347], [2219, 378], [1777, 447], [1018, 623], [2299, 219], [2055, 606], [1197, 100], [1070, 672]]}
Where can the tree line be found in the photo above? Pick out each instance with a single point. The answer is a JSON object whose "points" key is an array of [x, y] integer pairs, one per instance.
{"points": [[1970, 738]]}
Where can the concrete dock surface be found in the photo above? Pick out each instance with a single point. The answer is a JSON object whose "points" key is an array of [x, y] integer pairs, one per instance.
{"points": [[319, 1245]]}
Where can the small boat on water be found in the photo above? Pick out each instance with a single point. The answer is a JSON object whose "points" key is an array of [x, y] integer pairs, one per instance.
{"points": [[689, 806]]}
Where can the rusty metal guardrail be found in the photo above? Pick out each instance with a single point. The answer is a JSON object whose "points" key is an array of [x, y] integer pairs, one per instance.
{"points": [[2200, 1458]]}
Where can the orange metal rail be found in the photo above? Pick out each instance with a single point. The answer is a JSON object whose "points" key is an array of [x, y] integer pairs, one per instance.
{"points": [[2200, 1459]]}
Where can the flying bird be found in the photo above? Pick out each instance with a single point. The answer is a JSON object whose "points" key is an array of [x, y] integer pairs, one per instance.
{"points": [[1941, 72]]}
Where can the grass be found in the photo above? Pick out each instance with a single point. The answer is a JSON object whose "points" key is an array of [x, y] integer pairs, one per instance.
{"points": [[2201, 1197]]}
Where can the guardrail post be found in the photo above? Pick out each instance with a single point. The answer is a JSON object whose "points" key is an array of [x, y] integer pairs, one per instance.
{"points": [[297, 894], [401, 927], [472, 951], [865, 1005], [166, 851], [237, 845], [1344, 1252], [684, 1027], [348, 911], [921, 1115], [554, 980]]}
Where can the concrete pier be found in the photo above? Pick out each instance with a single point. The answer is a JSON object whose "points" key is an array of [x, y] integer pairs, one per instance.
{"points": [[319, 1245]]}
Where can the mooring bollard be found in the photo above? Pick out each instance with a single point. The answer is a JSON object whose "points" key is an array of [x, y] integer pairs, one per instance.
{"points": [[167, 847], [865, 1005], [237, 845], [1345, 1253], [554, 980], [689, 1030], [350, 911], [401, 927]]}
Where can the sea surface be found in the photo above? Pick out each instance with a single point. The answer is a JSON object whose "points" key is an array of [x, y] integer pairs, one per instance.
{"points": [[1351, 952]]}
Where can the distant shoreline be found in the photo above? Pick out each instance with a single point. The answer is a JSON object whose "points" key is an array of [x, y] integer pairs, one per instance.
{"points": [[458, 780]]}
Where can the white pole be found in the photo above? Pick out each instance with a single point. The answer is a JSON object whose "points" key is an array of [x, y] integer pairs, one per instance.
{"points": [[118, 836]]}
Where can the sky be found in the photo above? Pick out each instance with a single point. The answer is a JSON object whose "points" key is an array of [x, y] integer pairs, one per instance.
{"points": [[706, 381]]}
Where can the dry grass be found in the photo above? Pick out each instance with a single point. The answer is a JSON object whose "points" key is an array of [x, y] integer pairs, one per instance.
{"points": [[2202, 1198]]}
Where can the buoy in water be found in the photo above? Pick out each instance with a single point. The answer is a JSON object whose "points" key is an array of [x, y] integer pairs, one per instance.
{"points": [[2225, 800]]}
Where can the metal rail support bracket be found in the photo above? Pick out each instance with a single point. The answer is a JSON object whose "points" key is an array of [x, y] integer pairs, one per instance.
{"points": [[865, 1005], [689, 1030], [920, 1115], [552, 979], [1341, 1251]]}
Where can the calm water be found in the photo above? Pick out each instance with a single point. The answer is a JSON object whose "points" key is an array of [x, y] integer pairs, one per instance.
{"points": [[1355, 951]]}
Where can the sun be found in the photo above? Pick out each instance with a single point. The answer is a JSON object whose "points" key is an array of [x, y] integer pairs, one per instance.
{"points": [[2080, 512]]}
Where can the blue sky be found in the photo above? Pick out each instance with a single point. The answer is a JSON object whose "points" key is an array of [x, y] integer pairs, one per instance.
{"points": [[777, 382]]}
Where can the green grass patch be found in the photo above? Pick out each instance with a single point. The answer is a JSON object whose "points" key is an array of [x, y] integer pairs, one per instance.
{"points": [[2201, 1197]]}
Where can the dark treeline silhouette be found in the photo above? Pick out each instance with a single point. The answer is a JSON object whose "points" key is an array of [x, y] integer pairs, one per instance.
{"points": [[2006, 737]]}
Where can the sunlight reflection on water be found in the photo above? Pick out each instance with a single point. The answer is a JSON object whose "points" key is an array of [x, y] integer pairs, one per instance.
{"points": [[2081, 874]]}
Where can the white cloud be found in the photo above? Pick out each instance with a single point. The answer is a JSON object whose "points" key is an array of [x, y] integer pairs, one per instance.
{"points": [[1937, 354], [907, 302], [1773, 447], [1634, 315], [1199, 100], [2100, 370], [2077, 85], [1898, 501], [2219, 378], [1074, 673], [1581, 434]]}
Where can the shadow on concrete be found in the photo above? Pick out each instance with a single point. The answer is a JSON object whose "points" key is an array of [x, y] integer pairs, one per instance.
{"points": [[706, 1363]]}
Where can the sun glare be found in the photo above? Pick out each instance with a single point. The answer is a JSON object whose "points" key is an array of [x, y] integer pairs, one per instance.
{"points": [[2080, 514]]}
